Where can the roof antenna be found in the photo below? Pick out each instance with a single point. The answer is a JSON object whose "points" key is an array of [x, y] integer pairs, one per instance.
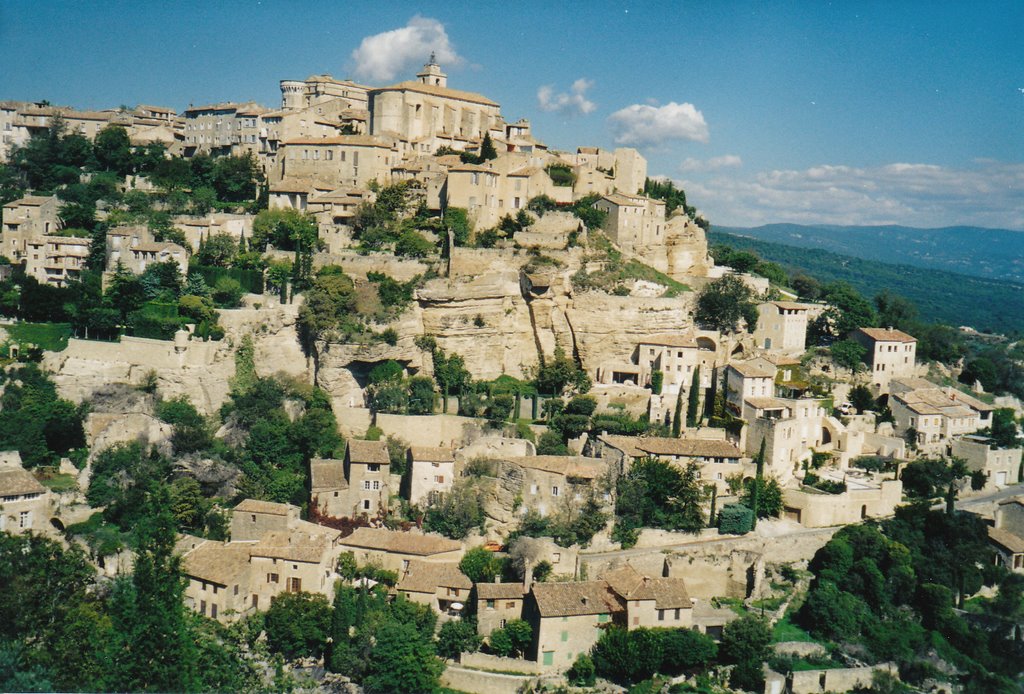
{"points": [[433, 60]]}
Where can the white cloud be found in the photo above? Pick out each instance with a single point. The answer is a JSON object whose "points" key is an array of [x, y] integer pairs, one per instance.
{"points": [[573, 103], [644, 126], [382, 57], [989, 194], [726, 161]]}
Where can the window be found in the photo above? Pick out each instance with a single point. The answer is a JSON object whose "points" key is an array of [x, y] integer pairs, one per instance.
{"points": [[533, 489], [490, 604], [677, 614], [202, 607], [376, 485], [213, 610], [366, 504], [236, 590], [502, 623], [405, 565], [554, 491], [253, 517], [565, 636], [25, 519], [556, 557], [602, 618], [373, 467], [294, 585], [366, 485], [510, 605], [272, 578], [255, 601], [661, 615], [439, 479]]}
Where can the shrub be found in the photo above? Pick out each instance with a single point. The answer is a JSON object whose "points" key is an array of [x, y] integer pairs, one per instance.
{"points": [[582, 672], [735, 519]]}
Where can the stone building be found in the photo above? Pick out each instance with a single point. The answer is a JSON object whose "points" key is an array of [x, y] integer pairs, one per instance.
{"points": [[546, 482], [862, 499], [395, 551], [368, 471], [792, 430], [56, 260], [749, 379], [1001, 466], [1007, 536], [633, 221], [718, 458], [334, 162], [219, 579], [328, 486], [25, 219], [936, 415], [782, 326], [441, 585], [431, 474], [24, 503], [497, 604], [890, 354], [426, 108], [252, 519], [218, 128]]}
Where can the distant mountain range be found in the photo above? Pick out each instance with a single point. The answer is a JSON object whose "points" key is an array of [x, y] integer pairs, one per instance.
{"points": [[975, 251], [985, 303]]}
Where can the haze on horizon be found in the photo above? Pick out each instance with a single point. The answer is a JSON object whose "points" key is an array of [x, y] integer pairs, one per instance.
{"points": [[864, 113]]}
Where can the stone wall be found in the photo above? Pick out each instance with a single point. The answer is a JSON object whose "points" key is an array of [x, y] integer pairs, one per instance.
{"points": [[480, 682], [430, 430], [837, 680], [492, 662]]}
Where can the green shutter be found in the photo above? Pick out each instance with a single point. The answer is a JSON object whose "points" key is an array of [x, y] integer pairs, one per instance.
{"points": [[549, 657]]}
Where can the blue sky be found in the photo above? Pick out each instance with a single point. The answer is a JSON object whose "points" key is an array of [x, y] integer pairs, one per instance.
{"points": [[846, 112]]}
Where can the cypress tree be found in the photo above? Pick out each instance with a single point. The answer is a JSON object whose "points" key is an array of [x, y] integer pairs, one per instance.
{"points": [[693, 406], [677, 419], [756, 492], [487, 150]]}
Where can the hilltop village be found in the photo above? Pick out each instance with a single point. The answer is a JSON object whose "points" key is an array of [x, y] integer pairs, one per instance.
{"points": [[374, 391]]}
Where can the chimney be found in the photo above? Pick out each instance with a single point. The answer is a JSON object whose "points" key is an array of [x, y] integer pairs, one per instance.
{"points": [[527, 575]]}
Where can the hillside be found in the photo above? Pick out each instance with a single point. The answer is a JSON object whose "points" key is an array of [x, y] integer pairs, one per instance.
{"points": [[947, 297], [988, 253]]}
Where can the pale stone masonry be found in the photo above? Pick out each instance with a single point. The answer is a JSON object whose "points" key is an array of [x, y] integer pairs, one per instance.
{"points": [[24, 503], [497, 604], [782, 326], [890, 354], [1007, 537], [26, 219], [431, 474], [441, 585], [1001, 466], [56, 260], [368, 471], [395, 551]]}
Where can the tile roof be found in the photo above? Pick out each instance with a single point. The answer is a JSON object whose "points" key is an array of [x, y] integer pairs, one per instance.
{"points": [[755, 368], [791, 305], [887, 335], [432, 454], [500, 591], [17, 480], [292, 546], [269, 507], [30, 201], [1006, 540], [573, 599], [568, 465], [692, 448], [435, 90], [225, 563], [670, 340], [767, 403], [327, 473], [667, 593], [368, 452], [428, 576], [400, 542], [352, 140]]}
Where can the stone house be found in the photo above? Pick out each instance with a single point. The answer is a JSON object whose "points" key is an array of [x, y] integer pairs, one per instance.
{"points": [[1007, 535], [217, 128], [303, 558], [431, 473], [937, 415], [545, 481], [603, 172], [136, 254], [651, 602], [862, 499], [394, 550], [890, 354], [439, 584], [334, 162], [782, 326], [792, 429], [718, 458], [328, 488], [27, 218], [749, 379], [56, 260], [25, 504], [219, 579], [567, 619], [633, 221], [196, 229], [251, 519], [368, 471], [497, 604], [1000, 465]]}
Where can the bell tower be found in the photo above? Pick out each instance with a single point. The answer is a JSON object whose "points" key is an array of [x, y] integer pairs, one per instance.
{"points": [[431, 74]]}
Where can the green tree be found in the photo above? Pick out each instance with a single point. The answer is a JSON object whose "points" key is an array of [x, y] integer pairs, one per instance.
{"points": [[457, 219], [860, 396], [113, 150], [487, 150], [725, 303], [512, 640], [745, 643], [848, 354], [236, 179], [657, 494], [153, 647], [298, 625], [685, 650], [582, 673], [219, 250], [460, 511], [456, 637], [769, 496], [402, 660], [1004, 428], [480, 565], [693, 400]]}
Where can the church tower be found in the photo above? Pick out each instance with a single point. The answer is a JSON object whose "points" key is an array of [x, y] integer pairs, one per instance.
{"points": [[431, 74]]}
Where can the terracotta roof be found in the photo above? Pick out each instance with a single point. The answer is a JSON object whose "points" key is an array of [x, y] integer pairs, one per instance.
{"points": [[400, 542], [1006, 540], [368, 452], [30, 201], [428, 576], [670, 340], [327, 473], [268, 507], [587, 150], [950, 402], [755, 368], [767, 403], [292, 186], [525, 171], [225, 563], [630, 200], [293, 546], [17, 480], [155, 109], [499, 591], [477, 168], [692, 448], [568, 465], [667, 593], [572, 599], [431, 454], [887, 335], [791, 305], [435, 90]]}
